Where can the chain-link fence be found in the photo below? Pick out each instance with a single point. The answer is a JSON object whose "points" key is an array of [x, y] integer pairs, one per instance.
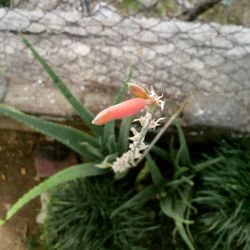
{"points": [[182, 47]]}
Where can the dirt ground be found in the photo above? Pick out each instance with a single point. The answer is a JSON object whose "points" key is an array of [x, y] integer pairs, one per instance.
{"points": [[17, 175]]}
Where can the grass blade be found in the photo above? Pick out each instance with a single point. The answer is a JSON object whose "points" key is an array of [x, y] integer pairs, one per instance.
{"points": [[185, 159], [141, 197], [182, 231], [161, 153], [178, 162], [200, 166], [168, 207], [123, 140], [109, 128], [123, 88], [77, 171], [69, 136], [83, 112], [156, 175], [109, 137]]}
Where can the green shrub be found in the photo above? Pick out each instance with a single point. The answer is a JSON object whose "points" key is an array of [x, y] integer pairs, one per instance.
{"points": [[224, 198], [80, 216]]}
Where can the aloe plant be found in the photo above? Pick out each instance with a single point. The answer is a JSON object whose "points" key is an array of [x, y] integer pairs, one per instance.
{"points": [[99, 148], [176, 194]]}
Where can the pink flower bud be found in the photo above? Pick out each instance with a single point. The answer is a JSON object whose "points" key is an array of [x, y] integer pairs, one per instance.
{"points": [[121, 110], [137, 90]]}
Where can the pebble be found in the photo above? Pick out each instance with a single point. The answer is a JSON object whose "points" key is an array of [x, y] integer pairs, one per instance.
{"points": [[3, 177], [23, 171]]}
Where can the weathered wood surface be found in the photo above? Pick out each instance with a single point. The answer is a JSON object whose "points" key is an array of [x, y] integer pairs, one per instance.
{"points": [[207, 61]]}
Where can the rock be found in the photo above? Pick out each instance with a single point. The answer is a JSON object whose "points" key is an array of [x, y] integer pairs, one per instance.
{"points": [[91, 55], [147, 3], [52, 157], [216, 110], [64, 5]]}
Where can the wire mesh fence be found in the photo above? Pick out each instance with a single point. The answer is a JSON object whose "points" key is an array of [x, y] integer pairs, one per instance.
{"points": [[180, 46]]}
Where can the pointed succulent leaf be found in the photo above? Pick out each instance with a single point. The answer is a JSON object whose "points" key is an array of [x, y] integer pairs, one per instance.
{"points": [[72, 173], [82, 111], [71, 137]]}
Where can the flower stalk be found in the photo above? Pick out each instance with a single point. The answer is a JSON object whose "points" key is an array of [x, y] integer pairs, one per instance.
{"points": [[148, 101], [137, 146]]}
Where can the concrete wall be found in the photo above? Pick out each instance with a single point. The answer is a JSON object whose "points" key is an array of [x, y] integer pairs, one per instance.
{"points": [[209, 62]]}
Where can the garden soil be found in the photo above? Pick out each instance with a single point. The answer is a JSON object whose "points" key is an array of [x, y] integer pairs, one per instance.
{"points": [[17, 175]]}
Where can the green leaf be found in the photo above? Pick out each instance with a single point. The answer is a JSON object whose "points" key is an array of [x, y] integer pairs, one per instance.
{"points": [[180, 171], [123, 88], [144, 172], [184, 158], [169, 208], [200, 166], [161, 153], [140, 197], [123, 139], [172, 151], [109, 128], [183, 179], [186, 198], [182, 231], [179, 157], [156, 175], [109, 145], [69, 136], [83, 112], [106, 163], [109, 142], [77, 171], [92, 151]]}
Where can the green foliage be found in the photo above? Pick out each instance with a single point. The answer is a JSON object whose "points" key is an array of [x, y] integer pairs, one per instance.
{"points": [[82, 111], [33, 242], [174, 201], [176, 193], [131, 5], [160, 8], [81, 216], [156, 175], [81, 170], [224, 198], [109, 144], [124, 134], [71, 137], [99, 148], [5, 3]]}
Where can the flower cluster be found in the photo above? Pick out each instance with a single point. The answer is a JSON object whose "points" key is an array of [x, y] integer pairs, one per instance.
{"points": [[128, 159], [144, 100]]}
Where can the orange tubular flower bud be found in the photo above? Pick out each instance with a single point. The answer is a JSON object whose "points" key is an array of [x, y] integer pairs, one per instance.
{"points": [[121, 110], [137, 90]]}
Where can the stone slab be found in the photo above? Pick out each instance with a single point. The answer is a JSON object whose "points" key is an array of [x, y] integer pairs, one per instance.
{"points": [[91, 54]]}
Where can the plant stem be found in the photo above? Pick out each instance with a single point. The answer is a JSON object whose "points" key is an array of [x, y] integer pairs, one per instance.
{"points": [[164, 128]]}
